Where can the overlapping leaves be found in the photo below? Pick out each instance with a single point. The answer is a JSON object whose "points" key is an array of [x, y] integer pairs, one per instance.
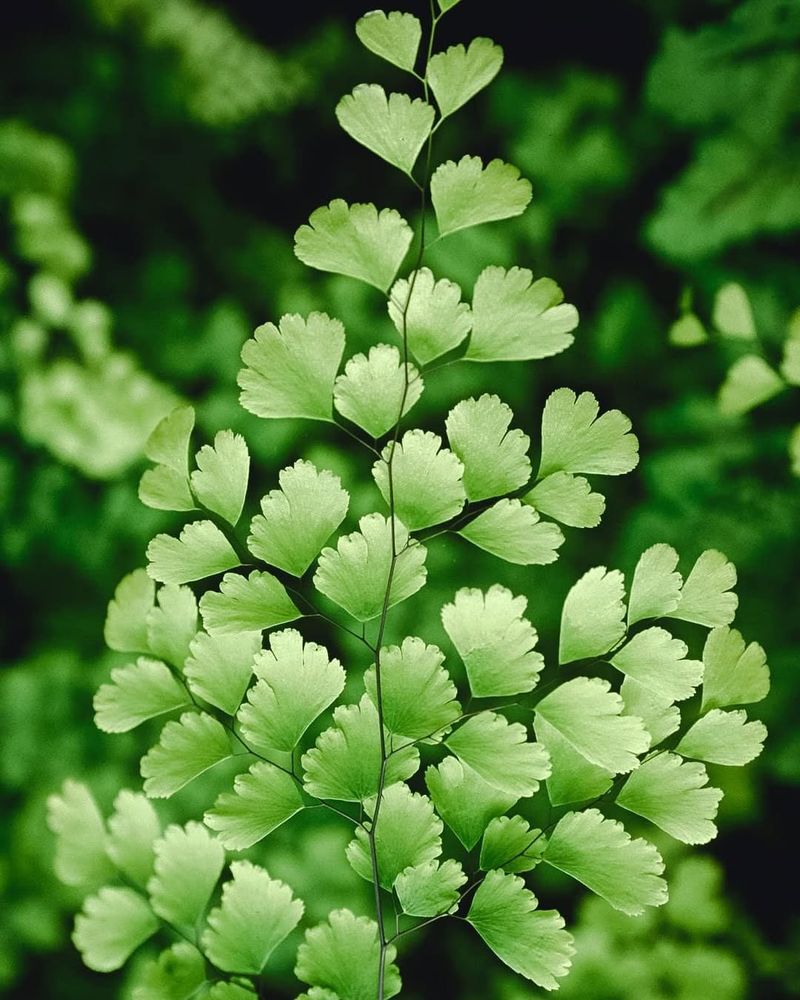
{"points": [[267, 705]]}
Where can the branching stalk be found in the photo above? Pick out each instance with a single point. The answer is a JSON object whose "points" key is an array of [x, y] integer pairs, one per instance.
{"points": [[372, 833]]}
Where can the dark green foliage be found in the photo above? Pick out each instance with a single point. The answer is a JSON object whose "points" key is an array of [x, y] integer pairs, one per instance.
{"points": [[148, 179]]}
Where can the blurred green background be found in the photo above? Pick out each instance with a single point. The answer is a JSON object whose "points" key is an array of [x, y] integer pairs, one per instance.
{"points": [[155, 159]]}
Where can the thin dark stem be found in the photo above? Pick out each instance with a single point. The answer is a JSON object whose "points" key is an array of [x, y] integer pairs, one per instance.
{"points": [[418, 927], [291, 772], [244, 557], [461, 520], [391, 449], [254, 753], [165, 924], [337, 811], [314, 612], [608, 796], [439, 916], [357, 438], [453, 722], [530, 844], [435, 366], [245, 560]]}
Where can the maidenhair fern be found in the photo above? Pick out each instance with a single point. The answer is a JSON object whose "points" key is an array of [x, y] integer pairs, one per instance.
{"points": [[531, 763], [676, 950], [88, 403], [220, 77], [751, 379]]}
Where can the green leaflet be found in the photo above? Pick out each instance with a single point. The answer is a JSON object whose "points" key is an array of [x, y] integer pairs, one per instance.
{"points": [[246, 604], [342, 954], [50, 295], [515, 318], [177, 974], [696, 901], [593, 616], [171, 624], [573, 778], [132, 830], [600, 853], [345, 761], [408, 833], [587, 714], [256, 913], [111, 927], [532, 942], [162, 488], [355, 573], [734, 673], [733, 315], [355, 240], [169, 443], [297, 681], [656, 585], [790, 366], [687, 331], [219, 667], [230, 991], [201, 550], [707, 597], [429, 889], [495, 458], [458, 74], [430, 314], [185, 749], [220, 480], [427, 480], [188, 862], [794, 450], [498, 751], [126, 620], [660, 717], [297, 519], [494, 641], [372, 388], [466, 193], [674, 795], [406, 671], [81, 838], [140, 691], [568, 499], [656, 660], [290, 368], [262, 800], [724, 738], [511, 845], [576, 439], [464, 800], [394, 36], [394, 127], [512, 531], [749, 382]]}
